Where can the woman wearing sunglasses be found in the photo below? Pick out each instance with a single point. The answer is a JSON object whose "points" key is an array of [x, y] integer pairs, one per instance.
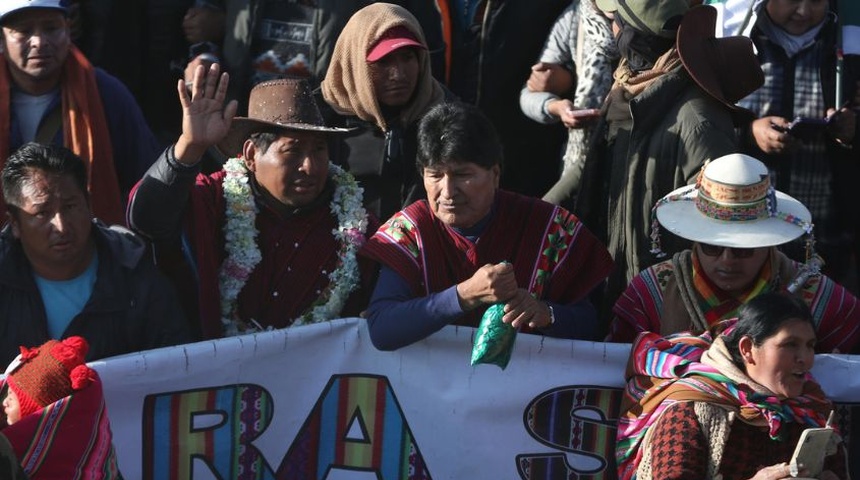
{"points": [[736, 220]]}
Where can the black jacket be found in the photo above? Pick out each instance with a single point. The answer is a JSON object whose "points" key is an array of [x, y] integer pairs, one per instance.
{"points": [[132, 307], [383, 163]]}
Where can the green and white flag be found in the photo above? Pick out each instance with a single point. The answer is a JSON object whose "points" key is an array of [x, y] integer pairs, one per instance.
{"points": [[849, 17]]}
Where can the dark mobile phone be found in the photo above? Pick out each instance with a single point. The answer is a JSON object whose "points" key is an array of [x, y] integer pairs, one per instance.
{"points": [[807, 128]]}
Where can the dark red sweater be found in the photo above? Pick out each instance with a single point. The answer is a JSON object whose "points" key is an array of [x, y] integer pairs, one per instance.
{"points": [[679, 450]]}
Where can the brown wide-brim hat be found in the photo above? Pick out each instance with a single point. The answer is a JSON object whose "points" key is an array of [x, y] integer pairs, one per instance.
{"points": [[726, 68], [286, 104]]}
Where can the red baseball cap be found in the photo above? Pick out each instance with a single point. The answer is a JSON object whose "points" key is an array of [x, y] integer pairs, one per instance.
{"points": [[393, 39]]}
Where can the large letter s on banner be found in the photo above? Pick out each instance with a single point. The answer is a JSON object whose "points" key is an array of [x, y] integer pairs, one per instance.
{"points": [[578, 420]]}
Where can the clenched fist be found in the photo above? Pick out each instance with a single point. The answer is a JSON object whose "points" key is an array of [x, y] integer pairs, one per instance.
{"points": [[490, 284]]}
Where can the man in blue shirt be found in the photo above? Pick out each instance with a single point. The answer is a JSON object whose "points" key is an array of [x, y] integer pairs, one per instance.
{"points": [[62, 273]]}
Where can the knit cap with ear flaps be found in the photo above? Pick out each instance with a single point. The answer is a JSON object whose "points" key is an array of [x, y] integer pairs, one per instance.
{"points": [[50, 372]]}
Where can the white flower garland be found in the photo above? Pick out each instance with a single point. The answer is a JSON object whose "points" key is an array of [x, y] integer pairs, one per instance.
{"points": [[243, 254], [240, 237]]}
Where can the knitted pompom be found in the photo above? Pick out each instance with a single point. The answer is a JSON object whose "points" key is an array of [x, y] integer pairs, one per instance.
{"points": [[54, 370], [81, 377], [71, 351], [28, 353]]}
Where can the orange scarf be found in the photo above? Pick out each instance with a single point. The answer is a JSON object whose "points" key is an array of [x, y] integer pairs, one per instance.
{"points": [[85, 132]]}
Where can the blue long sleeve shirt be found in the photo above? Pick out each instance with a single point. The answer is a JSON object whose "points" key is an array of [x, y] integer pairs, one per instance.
{"points": [[397, 319]]}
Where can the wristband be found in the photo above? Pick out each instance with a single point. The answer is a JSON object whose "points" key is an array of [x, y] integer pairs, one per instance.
{"points": [[551, 316]]}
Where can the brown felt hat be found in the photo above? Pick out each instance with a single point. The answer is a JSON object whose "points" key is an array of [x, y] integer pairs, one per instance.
{"points": [[726, 68], [285, 104]]}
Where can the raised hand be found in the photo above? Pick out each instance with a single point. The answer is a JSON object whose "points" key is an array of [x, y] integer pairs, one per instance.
{"points": [[205, 120]]}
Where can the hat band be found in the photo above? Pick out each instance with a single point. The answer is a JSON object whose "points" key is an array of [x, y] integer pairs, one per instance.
{"points": [[735, 203], [733, 213], [727, 193]]}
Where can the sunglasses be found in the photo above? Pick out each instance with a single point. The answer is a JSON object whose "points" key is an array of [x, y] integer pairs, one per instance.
{"points": [[716, 251]]}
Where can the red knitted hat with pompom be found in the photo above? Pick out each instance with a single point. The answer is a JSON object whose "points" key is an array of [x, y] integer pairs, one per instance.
{"points": [[50, 372]]}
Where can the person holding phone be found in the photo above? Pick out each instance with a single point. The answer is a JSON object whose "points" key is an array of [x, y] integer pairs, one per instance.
{"points": [[808, 141], [572, 77], [730, 403], [670, 110]]}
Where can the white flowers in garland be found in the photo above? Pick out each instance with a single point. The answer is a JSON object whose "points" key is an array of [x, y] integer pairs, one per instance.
{"points": [[240, 237], [243, 254]]}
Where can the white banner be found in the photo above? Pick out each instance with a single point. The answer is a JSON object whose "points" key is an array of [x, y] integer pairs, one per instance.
{"points": [[851, 39], [319, 402]]}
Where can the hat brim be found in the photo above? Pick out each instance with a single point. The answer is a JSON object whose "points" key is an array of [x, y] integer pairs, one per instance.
{"points": [[696, 43], [243, 127], [682, 218], [389, 45], [5, 15]]}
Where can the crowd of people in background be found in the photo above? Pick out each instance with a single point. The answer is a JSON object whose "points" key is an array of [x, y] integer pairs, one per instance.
{"points": [[224, 167]]}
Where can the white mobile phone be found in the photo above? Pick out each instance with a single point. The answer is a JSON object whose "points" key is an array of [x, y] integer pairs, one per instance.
{"points": [[810, 451]]}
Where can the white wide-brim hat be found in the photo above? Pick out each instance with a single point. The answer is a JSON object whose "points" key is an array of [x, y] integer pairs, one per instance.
{"points": [[734, 205]]}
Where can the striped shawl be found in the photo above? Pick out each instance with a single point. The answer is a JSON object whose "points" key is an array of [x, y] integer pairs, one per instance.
{"points": [[662, 371], [69, 439]]}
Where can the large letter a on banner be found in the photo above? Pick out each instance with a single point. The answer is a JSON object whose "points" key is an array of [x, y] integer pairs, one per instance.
{"points": [[357, 425]]}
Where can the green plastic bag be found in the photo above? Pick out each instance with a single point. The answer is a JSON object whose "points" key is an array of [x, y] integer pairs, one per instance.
{"points": [[494, 340]]}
